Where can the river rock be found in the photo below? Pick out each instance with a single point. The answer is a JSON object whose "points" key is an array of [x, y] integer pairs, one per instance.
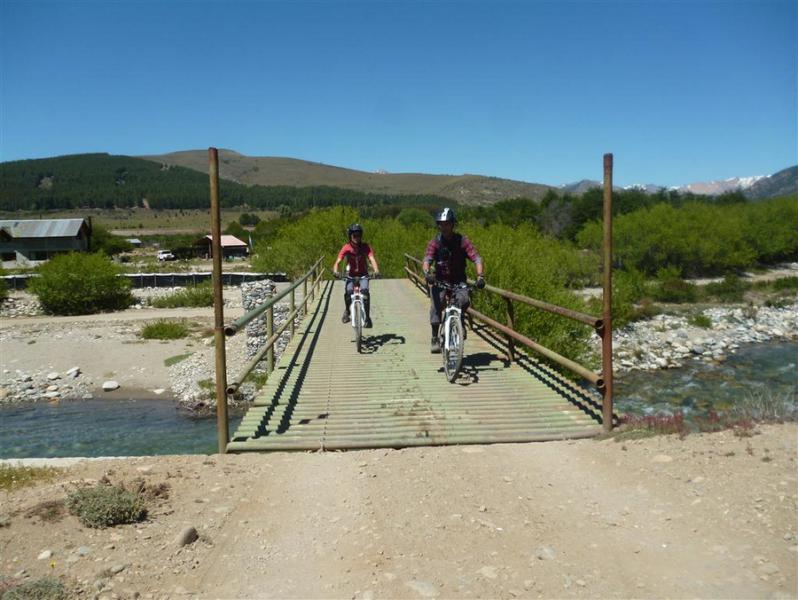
{"points": [[110, 385], [188, 536]]}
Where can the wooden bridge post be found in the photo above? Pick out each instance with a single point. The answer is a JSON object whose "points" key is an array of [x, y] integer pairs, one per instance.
{"points": [[606, 333], [304, 297], [511, 325], [223, 432]]}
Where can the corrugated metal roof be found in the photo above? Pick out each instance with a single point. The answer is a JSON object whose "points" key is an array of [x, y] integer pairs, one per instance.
{"points": [[42, 228], [228, 240]]}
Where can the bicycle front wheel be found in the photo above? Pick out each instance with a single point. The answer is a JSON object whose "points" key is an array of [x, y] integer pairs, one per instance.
{"points": [[453, 354], [357, 316]]}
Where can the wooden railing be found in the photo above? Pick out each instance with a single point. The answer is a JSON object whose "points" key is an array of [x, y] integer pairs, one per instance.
{"points": [[413, 270]]}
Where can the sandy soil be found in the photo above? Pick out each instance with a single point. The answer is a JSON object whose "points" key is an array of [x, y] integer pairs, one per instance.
{"points": [[708, 516]]}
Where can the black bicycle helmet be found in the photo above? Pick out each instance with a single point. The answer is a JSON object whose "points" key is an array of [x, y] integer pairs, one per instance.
{"points": [[446, 214], [354, 228]]}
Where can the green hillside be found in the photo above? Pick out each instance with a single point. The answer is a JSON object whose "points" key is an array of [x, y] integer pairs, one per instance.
{"points": [[107, 181], [276, 171]]}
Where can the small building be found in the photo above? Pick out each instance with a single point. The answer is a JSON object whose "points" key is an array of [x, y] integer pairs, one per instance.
{"points": [[30, 242], [231, 247], [135, 242]]}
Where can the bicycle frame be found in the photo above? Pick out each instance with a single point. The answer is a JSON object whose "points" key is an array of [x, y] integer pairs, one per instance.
{"points": [[451, 321], [357, 299]]}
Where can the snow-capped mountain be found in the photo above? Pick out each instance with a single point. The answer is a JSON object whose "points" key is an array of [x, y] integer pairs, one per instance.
{"points": [[713, 188], [707, 188]]}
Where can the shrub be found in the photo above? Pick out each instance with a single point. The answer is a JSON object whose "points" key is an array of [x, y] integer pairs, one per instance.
{"points": [[731, 289], [47, 588], [164, 330], [3, 290], [105, 506], [675, 290], [702, 321], [192, 296], [786, 283], [80, 284]]}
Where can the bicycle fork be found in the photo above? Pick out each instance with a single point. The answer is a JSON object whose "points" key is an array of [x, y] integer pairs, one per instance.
{"points": [[452, 314]]}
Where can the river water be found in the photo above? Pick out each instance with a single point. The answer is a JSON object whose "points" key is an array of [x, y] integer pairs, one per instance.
{"points": [[152, 427]]}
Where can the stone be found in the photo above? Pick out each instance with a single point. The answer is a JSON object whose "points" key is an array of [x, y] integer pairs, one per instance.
{"points": [[53, 376], [45, 555], [110, 385], [545, 553], [188, 536]]}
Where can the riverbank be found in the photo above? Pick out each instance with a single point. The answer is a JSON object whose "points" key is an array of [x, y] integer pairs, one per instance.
{"points": [[706, 516], [46, 358], [668, 341]]}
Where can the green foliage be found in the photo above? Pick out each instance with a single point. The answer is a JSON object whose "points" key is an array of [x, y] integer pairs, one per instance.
{"points": [[14, 477], [409, 217], [103, 240], [523, 260], [235, 229], [786, 283], [3, 290], [630, 301], [248, 219], [191, 296], [46, 588], [299, 243], [105, 506], [700, 238], [164, 330], [700, 320], [675, 290], [79, 284], [731, 289], [107, 181]]}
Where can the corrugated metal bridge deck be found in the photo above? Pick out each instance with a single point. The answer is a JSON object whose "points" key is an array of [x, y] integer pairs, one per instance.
{"points": [[324, 395]]}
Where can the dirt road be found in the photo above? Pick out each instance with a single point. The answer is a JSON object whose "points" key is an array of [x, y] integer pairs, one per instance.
{"points": [[709, 516]]}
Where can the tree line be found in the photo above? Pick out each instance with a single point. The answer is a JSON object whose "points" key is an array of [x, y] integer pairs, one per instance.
{"points": [[108, 181]]}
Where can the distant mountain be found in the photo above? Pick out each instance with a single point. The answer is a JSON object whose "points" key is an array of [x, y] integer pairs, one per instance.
{"points": [[779, 184], [714, 188], [580, 187], [278, 171], [757, 187]]}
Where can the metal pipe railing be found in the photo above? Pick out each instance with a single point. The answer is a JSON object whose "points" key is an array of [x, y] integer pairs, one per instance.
{"points": [[233, 328], [267, 350], [513, 335]]}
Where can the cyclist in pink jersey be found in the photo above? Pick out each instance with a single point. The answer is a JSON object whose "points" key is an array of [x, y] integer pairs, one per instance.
{"points": [[357, 254]]}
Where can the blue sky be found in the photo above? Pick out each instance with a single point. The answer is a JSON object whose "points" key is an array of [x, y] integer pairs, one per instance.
{"points": [[679, 91]]}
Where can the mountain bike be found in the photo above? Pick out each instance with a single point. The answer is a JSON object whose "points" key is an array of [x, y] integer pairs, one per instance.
{"points": [[357, 309], [451, 333]]}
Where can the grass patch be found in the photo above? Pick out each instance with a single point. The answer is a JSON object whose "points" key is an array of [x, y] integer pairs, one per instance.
{"points": [[103, 506], [700, 320], [786, 283], [164, 330], [192, 296], [15, 477], [47, 588], [731, 289], [173, 360]]}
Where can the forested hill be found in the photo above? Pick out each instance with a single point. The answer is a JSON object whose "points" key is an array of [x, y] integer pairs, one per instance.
{"points": [[269, 171], [106, 181]]}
